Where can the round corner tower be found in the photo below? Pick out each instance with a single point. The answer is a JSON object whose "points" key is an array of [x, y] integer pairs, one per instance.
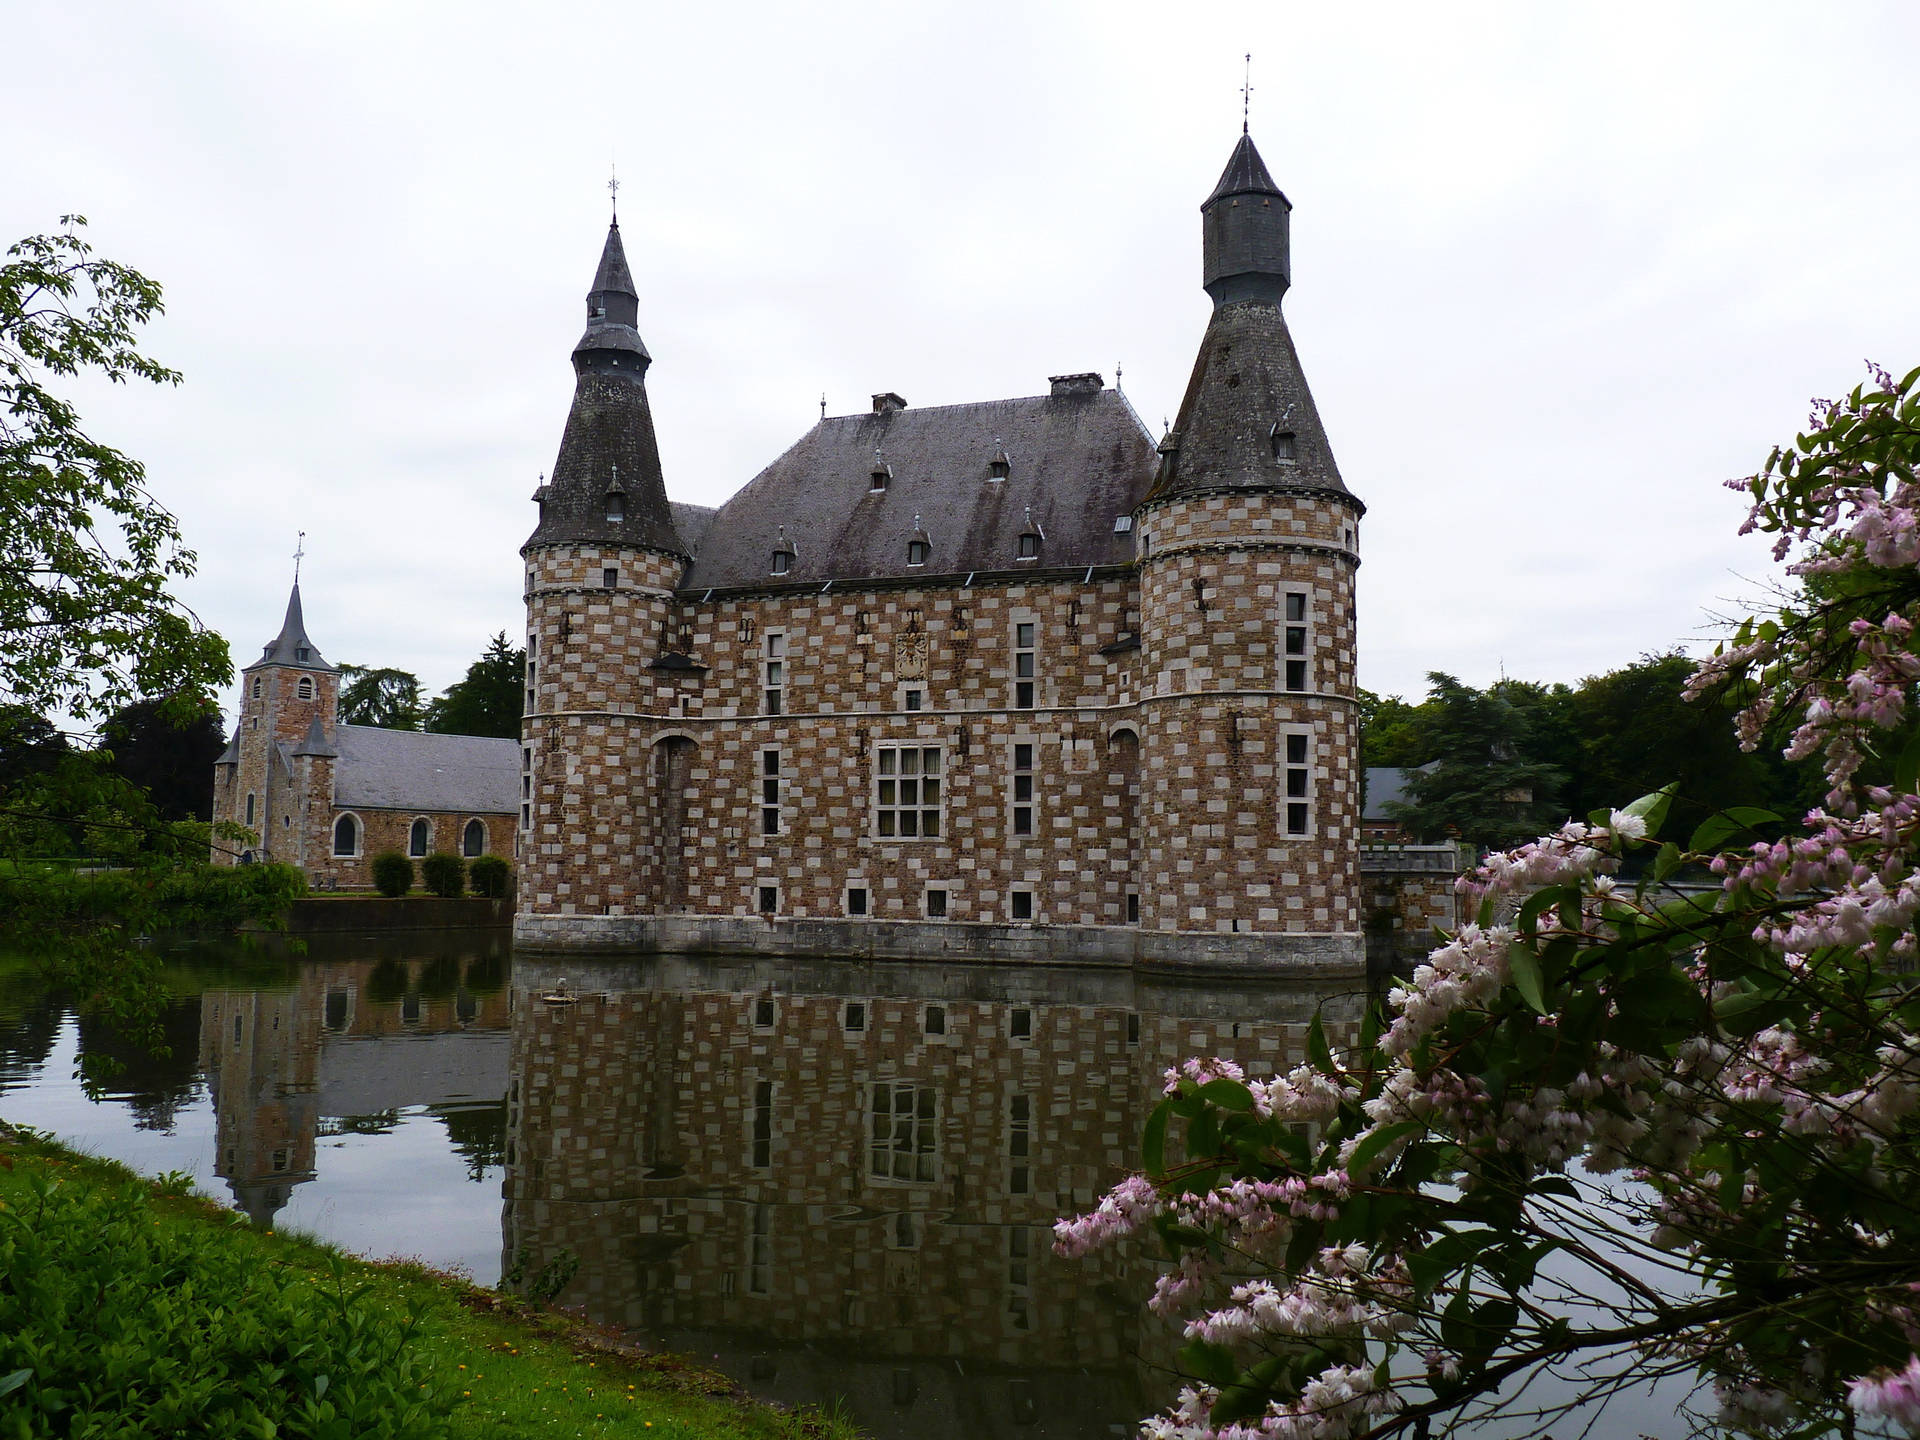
{"points": [[1248, 553], [601, 568]]}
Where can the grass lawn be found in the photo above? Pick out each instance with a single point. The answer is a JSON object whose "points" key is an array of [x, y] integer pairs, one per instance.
{"points": [[477, 1363]]}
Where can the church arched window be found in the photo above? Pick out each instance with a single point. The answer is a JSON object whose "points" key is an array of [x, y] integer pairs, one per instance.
{"points": [[346, 837], [419, 838], [474, 841], [256, 687], [306, 687]]}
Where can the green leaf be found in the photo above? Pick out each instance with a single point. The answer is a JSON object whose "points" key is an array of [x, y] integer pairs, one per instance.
{"points": [[1667, 861], [1524, 966], [1716, 830], [1227, 1094], [1433, 1263], [1539, 903], [1209, 1362], [1378, 1140], [1317, 1051], [13, 1381], [1153, 1140], [1653, 808]]}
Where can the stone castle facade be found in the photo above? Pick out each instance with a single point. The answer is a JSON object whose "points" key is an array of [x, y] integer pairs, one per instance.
{"points": [[1003, 680]]}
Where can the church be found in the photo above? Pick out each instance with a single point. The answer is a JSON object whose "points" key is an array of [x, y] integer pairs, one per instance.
{"points": [[1005, 680]]}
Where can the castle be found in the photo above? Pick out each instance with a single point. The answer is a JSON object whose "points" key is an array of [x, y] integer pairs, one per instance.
{"points": [[1006, 680]]}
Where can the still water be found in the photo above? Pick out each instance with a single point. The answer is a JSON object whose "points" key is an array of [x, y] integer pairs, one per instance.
{"points": [[836, 1179]]}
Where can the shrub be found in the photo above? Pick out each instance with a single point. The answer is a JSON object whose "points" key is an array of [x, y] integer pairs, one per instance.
{"points": [[445, 875], [392, 874], [111, 1323], [490, 876]]}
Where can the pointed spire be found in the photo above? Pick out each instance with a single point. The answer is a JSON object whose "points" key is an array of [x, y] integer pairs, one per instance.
{"points": [[612, 336], [316, 743], [1244, 232], [291, 646], [1246, 173]]}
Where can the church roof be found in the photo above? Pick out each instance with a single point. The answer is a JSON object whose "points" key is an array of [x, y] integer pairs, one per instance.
{"points": [[316, 742], [1077, 460], [1247, 391], [414, 770], [291, 646], [1246, 174]]}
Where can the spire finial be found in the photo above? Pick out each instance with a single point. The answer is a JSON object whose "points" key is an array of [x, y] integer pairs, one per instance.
{"points": [[299, 553], [1246, 94], [613, 189], [1116, 374], [823, 404]]}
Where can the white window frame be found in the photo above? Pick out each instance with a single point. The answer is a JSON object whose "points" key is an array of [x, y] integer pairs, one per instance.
{"points": [[770, 792], [857, 882], [1017, 801], [1302, 774], [1023, 667], [903, 1144], [1302, 628], [773, 672], [1014, 894], [889, 781]]}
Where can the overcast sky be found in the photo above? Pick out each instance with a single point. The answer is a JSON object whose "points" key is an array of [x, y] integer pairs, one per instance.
{"points": [[1558, 270]]}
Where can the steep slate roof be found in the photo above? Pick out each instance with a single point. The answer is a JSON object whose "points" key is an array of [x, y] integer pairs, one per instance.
{"points": [[1078, 458], [285, 648], [691, 522], [412, 770], [1246, 174]]}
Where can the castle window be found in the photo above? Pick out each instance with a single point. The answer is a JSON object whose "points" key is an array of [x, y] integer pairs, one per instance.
{"points": [[1025, 663], [609, 579], [937, 910], [1282, 443], [1019, 1294], [770, 792], [1133, 906], [907, 792], [1297, 779], [782, 561], [616, 506], [769, 900], [1020, 904], [1021, 820], [933, 1020], [853, 1019], [774, 671], [762, 1135], [419, 838], [249, 819], [1020, 1023], [764, 1012], [1294, 641], [346, 837], [998, 468], [474, 841], [903, 1128], [917, 552], [915, 697], [856, 900], [305, 687], [1029, 546], [1019, 1143]]}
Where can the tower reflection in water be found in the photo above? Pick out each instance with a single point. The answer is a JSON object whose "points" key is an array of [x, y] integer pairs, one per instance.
{"points": [[840, 1179]]}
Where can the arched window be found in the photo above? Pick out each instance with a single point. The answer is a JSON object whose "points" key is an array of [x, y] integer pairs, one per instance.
{"points": [[249, 820], [419, 838], [1029, 546], [474, 841], [346, 837], [256, 687], [306, 687], [916, 552]]}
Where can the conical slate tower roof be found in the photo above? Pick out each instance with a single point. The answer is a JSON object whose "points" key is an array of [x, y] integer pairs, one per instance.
{"points": [[606, 487], [291, 646], [1248, 420]]}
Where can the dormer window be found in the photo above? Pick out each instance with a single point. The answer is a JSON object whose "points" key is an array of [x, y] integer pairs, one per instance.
{"points": [[616, 506], [882, 473], [596, 309], [1282, 442], [302, 654], [782, 561], [917, 552], [1029, 546], [999, 466]]}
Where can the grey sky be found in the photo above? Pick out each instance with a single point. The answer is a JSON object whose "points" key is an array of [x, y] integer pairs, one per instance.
{"points": [[1557, 271]]}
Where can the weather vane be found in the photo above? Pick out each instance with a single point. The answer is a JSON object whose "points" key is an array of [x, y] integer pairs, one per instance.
{"points": [[299, 552], [823, 404], [613, 189], [1246, 94]]}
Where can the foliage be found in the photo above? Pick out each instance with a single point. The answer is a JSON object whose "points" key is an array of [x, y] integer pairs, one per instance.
{"points": [[1610, 1133], [444, 875], [389, 699], [1480, 785], [392, 874], [86, 553], [107, 1327], [488, 700], [171, 758], [491, 875]]}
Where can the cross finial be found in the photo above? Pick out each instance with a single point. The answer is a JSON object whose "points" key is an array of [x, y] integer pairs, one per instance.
{"points": [[1246, 94], [613, 189], [299, 553]]}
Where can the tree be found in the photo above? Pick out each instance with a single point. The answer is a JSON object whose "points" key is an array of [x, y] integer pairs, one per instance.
{"points": [[389, 699], [488, 700], [1480, 784], [1608, 1132], [1392, 732], [87, 553], [171, 760]]}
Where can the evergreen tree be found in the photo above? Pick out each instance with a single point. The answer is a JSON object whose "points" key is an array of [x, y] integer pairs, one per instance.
{"points": [[488, 700], [169, 759], [388, 699], [1482, 783]]}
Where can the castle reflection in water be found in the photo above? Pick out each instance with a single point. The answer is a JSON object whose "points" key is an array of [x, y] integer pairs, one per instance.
{"points": [[837, 1178], [841, 1178]]}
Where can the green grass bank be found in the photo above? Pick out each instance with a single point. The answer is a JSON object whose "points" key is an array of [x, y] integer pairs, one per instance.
{"points": [[133, 1308]]}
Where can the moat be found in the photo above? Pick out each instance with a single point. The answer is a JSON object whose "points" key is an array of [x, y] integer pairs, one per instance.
{"points": [[836, 1178]]}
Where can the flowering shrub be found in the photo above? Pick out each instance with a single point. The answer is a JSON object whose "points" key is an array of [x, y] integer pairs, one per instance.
{"points": [[1610, 1131]]}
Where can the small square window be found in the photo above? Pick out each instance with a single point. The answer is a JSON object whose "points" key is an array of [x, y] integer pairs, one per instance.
{"points": [[936, 1020], [1296, 819], [1020, 1023], [914, 698], [1023, 695], [857, 900], [1296, 674], [1022, 904], [937, 904], [769, 899], [763, 1012], [609, 579], [1296, 749], [1133, 907], [916, 552], [1296, 606], [854, 1017]]}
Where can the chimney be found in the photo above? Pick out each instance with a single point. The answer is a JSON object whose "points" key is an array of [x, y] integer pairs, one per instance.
{"points": [[1076, 384], [886, 401]]}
